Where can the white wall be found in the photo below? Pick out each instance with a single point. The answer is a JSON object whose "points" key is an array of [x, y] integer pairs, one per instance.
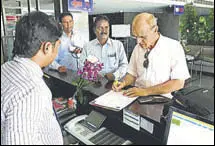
{"points": [[81, 24]]}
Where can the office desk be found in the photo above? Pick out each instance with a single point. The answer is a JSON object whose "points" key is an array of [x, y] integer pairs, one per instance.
{"points": [[114, 120], [70, 76]]}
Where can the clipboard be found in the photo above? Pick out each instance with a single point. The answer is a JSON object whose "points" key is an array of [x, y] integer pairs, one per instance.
{"points": [[112, 100]]}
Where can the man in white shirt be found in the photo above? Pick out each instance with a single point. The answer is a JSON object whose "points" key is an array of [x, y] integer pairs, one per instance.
{"points": [[27, 116], [157, 64], [110, 52], [71, 46]]}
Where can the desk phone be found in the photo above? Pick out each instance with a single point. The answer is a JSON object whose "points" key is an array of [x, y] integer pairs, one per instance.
{"points": [[87, 128]]}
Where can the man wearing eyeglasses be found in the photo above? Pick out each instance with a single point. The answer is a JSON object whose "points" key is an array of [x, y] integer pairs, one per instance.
{"points": [[157, 65], [71, 46], [27, 115], [110, 52]]}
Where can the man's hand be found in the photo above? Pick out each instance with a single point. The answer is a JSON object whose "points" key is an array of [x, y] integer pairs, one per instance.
{"points": [[117, 86], [62, 69], [109, 76], [133, 92], [77, 51]]}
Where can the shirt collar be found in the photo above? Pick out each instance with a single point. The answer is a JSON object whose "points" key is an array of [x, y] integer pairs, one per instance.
{"points": [[33, 68], [157, 44], [65, 35], [159, 40], [108, 42]]}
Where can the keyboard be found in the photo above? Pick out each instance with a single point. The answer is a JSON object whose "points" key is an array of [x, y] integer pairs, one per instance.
{"points": [[106, 137]]}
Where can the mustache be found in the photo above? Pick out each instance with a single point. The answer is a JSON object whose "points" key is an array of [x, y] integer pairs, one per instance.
{"points": [[103, 33]]}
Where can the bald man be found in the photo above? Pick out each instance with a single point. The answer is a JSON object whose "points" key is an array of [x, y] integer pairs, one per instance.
{"points": [[157, 65]]}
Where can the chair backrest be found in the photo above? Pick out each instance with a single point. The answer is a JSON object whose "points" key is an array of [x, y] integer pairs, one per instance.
{"points": [[207, 54], [208, 51], [194, 51]]}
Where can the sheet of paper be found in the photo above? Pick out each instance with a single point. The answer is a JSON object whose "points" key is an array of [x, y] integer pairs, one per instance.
{"points": [[113, 100]]}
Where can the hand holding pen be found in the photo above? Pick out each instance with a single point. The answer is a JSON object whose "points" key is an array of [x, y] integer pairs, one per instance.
{"points": [[117, 86]]}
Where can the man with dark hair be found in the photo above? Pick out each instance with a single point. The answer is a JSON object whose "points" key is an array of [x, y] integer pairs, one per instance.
{"points": [[71, 45], [110, 52], [27, 116]]}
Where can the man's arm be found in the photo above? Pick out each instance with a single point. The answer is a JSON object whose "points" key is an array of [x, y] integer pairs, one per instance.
{"points": [[21, 124], [164, 88], [56, 66]]}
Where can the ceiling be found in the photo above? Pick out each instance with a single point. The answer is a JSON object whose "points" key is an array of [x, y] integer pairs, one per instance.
{"points": [[107, 6], [113, 6]]}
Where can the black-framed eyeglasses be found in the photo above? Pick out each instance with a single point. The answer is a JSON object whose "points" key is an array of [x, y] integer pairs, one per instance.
{"points": [[146, 61]]}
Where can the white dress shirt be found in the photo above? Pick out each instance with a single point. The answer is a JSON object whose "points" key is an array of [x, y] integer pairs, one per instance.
{"points": [[166, 61], [112, 55], [65, 57], [27, 116]]}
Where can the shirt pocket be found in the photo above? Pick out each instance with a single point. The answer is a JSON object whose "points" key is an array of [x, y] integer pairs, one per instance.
{"points": [[112, 59], [112, 62]]}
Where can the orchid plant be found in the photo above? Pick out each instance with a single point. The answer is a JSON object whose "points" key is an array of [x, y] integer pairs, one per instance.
{"points": [[89, 74]]}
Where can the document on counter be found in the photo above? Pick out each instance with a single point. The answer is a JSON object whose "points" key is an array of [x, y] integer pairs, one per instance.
{"points": [[112, 100]]}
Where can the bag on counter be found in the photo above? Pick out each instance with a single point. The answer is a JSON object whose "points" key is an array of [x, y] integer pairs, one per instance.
{"points": [[196, 100]]}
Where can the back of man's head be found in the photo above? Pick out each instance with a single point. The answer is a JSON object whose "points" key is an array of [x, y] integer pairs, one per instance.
{"points": [[31, 30]]}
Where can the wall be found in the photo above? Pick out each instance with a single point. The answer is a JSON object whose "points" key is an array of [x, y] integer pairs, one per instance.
{"points": [[167, 22], [169, 25], [115, 18], [81, 24]]}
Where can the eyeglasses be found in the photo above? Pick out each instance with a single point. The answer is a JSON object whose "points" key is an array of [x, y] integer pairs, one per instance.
{"points": [[146, 61]]}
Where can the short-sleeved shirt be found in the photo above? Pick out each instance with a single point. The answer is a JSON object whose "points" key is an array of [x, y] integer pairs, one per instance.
{"points": [[166, 61]]}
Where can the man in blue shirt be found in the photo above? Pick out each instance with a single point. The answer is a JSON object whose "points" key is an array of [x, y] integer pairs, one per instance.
{"points": [[71, 45], [110, 52]]}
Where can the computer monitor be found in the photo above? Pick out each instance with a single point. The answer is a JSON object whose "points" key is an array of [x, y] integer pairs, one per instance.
{"points": [[184, 128]]}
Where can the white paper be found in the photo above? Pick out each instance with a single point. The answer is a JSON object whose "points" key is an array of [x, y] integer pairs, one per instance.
{"points": [[145, 124], [121, 30], [113, 100], [131, 119]]}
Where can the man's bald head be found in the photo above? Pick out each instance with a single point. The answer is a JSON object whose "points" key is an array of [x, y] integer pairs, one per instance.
{"points": [[147, 17], [145, 29]]}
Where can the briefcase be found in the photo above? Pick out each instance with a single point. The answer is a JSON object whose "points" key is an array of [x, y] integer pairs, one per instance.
{"points": [[196, 100]]}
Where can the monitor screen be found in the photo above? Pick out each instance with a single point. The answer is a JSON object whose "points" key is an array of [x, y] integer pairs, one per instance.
{"points": [[187, 130]]}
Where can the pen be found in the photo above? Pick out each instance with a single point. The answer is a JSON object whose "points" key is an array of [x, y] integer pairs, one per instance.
{"points": [[116, 82]]}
